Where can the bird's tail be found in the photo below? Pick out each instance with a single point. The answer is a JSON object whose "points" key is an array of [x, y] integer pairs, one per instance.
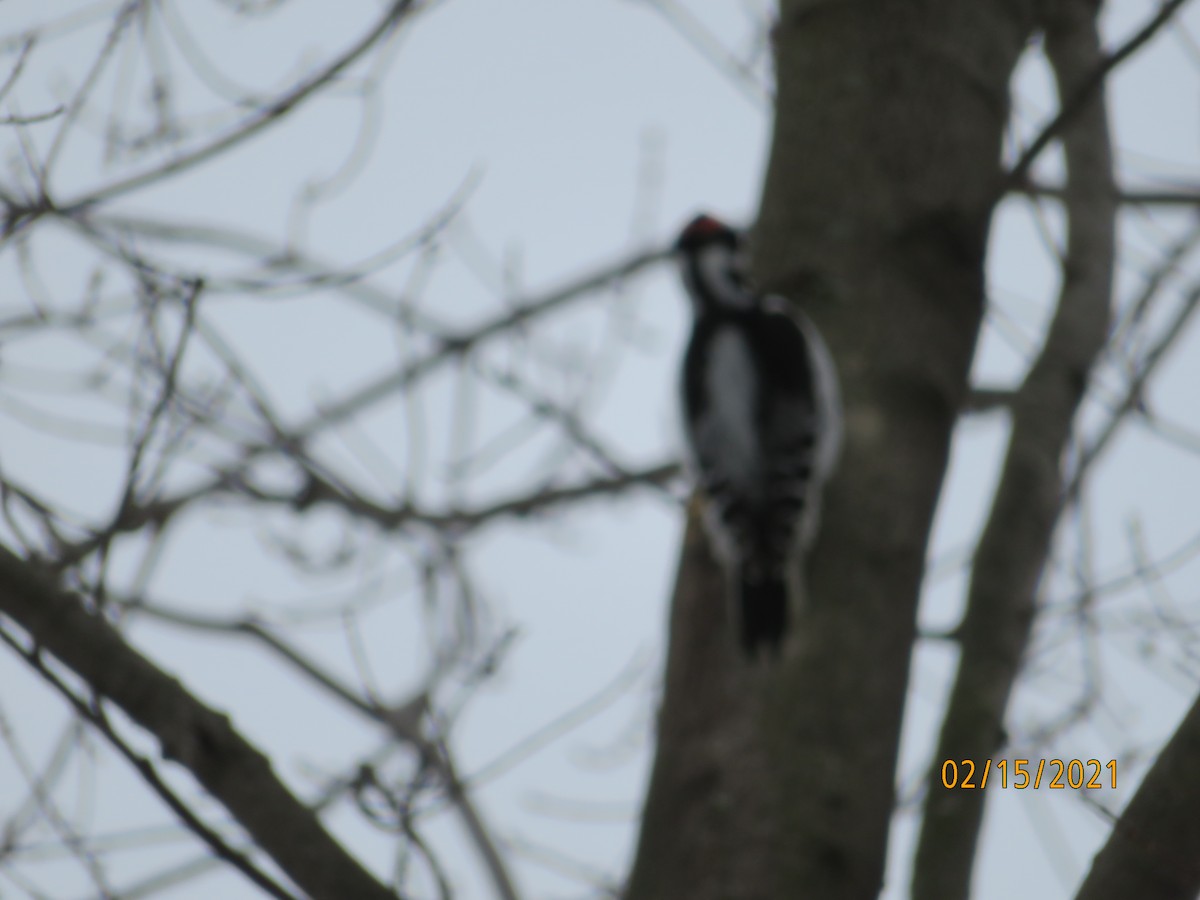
{"points": [[763, 601]]}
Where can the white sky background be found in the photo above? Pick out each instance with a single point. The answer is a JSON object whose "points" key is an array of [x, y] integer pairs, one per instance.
{"points": [[579, 132]]}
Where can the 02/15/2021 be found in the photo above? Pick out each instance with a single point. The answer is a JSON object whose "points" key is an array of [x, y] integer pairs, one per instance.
{"points": [[1022, 773]]}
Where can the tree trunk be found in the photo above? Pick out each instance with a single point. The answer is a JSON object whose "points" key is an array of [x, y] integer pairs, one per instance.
{"points": [[776, 780]]}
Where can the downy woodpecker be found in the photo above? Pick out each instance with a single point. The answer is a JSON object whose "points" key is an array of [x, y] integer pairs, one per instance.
{"points": [[763, 423]]}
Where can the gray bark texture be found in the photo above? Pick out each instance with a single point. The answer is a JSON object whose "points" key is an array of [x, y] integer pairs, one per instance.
{"points": [[777, 781]]}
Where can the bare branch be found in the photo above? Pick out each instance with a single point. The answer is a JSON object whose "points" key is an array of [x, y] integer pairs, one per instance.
{"points": [[704, 42], [1127, 197], [41, 803], [75, 107], [1153, 850], [1134, 392], [452, 347], [197, 737], [1016, 540], [397, 719], [32, 118], [1084, 92], [270, 114], [19, 66], [148, 772]]}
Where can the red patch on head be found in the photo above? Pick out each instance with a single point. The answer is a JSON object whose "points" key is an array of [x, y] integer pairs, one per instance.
{"points": [[704, 225]]}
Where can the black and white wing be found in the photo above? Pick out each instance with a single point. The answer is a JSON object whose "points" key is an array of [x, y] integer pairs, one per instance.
{"points": [[763, 426]]}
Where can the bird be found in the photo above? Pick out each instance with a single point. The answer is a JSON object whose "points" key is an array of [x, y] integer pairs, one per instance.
{"points": [[762, 422]]}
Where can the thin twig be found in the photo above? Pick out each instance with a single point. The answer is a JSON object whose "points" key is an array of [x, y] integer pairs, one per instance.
{"points": [[1083, 92]]}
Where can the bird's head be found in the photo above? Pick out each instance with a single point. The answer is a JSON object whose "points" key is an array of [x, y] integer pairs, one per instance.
{"points": [[704, 231], [713, 261]]}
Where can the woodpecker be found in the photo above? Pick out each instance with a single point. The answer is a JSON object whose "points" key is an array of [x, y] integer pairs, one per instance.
{"points": [[762, 418]]}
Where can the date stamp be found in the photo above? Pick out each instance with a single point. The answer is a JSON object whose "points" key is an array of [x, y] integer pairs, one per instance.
{"points": [[1020, 774]]}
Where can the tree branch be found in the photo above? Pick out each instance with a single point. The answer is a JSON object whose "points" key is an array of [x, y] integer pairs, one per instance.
{"points": [[91, 713], [1016, 540], [1142, 197], [203, 740], [260, 120], [1084, 92], [402, 720], [1153, 851]]}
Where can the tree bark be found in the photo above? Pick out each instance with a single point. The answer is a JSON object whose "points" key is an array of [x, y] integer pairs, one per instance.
{"points": [[705, 782]]}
